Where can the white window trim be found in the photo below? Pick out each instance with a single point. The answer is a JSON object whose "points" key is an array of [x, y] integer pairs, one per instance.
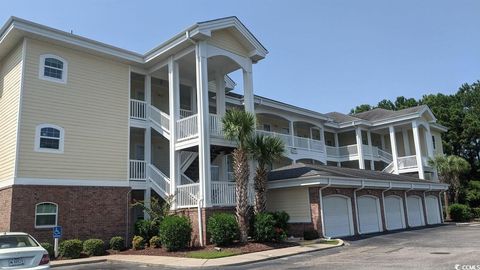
{"points": [[46, 214], [48, 150], [42, 68]]}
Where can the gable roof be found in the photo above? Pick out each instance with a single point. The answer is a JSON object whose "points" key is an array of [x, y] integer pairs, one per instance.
{"points": [[380, 114]]}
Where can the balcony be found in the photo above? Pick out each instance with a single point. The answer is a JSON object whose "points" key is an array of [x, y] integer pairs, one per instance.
{"points": [[350, 152], [296, 141], [223, 193], [138, 109]]}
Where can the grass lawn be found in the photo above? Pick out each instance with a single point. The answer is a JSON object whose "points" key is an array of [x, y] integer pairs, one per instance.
{"points": [[210, 254]]}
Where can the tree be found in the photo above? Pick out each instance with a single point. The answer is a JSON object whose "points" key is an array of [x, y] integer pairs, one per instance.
{"points": [[156, 209], [402, 103], [239, 126], [450, 169], [361, 108], [386, 104], [265, 150]]}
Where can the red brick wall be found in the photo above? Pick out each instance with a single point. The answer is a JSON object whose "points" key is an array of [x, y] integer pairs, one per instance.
{"points": [[83, 212], [5, 209]]}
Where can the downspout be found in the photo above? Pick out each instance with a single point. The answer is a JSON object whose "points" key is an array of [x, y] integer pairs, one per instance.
{"points": [[321, 204], [200, 223], [127, 231], [356, 205], [425, 203], [406, 203], [383, 202]]}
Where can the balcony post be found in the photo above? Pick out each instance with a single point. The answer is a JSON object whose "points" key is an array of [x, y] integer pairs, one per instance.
{"points": [[429, 142], [393, 143], [292, 133], [220, 95], [369, 138], [418, 149], [361, 161], [248, 88], [174, 111], [337, 145], [203, 123]]}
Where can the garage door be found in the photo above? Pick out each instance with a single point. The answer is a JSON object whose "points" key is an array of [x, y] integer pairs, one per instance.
{"points": [[433, 210], [395, 217], [337, 212], [415, 211], [369, 215]]}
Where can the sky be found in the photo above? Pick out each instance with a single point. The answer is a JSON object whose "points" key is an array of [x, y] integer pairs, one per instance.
{"points": [[323, 55]]}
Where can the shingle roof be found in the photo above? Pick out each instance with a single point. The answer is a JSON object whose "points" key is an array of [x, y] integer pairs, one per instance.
{"points": [[341, 118], [300, 170], [379, 113]]}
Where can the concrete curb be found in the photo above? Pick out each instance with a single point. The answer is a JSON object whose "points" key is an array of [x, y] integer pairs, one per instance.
{"points": [[204, 263]]}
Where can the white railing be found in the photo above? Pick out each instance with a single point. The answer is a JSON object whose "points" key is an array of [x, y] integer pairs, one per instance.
{"points": [[159, 179], [216, 126], [215, 173], [138, 170], [348, 150], [384, 155], [223, 193], [390, 168], [138, 109], [407, 162], [185, 113], [160, 118], [296, 141], [286, 138], [187, 127], [332, 151], [187, 195]]}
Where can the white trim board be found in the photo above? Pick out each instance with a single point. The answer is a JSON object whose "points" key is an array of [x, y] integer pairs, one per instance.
{"points": [[71, 182]]}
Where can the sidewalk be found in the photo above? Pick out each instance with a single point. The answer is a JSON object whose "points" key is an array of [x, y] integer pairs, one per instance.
{"points": [[189, 262]]}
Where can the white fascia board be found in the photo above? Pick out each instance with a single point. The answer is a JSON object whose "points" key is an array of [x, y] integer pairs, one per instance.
{"points": [[229, 83], [437, 126]]}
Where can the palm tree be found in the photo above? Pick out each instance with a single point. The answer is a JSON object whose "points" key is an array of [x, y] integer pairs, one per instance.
{"points": [[449, 169], [266, 150], [239, 126]]}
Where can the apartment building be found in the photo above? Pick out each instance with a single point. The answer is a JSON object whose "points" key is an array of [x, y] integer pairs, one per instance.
{"points": [[89, 128]]}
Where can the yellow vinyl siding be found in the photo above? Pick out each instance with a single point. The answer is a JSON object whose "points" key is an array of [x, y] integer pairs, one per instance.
{"points": [[92, 107], [10, 83], [294, 201], [224, 39]]}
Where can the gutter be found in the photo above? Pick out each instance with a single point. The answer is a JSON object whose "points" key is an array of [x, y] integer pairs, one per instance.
{"points": [[383, 201], [200, 223], [356, 204], [321, 205]]}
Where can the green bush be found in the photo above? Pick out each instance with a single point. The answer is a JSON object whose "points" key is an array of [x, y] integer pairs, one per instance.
{"points": [[138, 242], [94, 247], [117, 243], [264, 227], [222, 228], [70, 249], [476, 212], [459, 212], [175, 232], [310, 235], [49, 248], [146, 229], [281, 220], [472, 195], [155, 242]]}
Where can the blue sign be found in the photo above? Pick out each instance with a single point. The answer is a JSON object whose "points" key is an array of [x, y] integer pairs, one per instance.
{"points": [[57, 232]]}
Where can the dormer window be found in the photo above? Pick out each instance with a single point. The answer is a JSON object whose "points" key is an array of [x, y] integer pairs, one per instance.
{"points": [[53, 68]]}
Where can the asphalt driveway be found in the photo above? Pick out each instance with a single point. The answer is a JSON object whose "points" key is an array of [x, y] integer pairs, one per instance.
{"points": [[443, 247]]}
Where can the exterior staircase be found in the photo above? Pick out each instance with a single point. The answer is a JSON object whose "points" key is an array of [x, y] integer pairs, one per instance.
{"points": [[160, 121]]}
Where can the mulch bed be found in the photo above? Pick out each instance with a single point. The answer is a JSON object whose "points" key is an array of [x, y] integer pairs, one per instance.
{"points": [[237, 248]]}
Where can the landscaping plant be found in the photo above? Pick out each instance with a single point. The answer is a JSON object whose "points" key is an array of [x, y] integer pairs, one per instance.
{"points": [[49, 248], [460, 212], [146, 228], [70, 249], [155, 242], [94, 247], [138, 242], [117, 243], [222, 228], [175, 232]]}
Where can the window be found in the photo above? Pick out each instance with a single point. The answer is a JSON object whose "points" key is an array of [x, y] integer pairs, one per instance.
{"points": [[46, 215], [266, 127], [434, 143], [53, 68], [49, 138]]}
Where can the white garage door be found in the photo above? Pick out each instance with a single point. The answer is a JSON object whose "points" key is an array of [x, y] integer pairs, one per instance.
{"points": [[395, 217], [415, 211], [369, 215], [337, 212], [433, 210]]}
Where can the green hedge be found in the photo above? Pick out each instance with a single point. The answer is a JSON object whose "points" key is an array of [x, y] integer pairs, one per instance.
{"points": [[459, 212], [117, 243], [138, 242], [146, 229], [49, 248], [476, 212], [175, 232], [222, 228], [70, 248], [94, 247], [270, 226]]}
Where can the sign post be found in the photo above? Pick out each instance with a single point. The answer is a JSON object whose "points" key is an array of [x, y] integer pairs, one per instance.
{"points": [[57, 234]]}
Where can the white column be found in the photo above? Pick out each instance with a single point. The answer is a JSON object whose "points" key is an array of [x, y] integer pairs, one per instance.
{"points": [[418, 149], [292, 133], [248, 88], [406, 143], [203, 113], [174, 111], [393, 143], [429, 142], [147, 144], [335, 137], [361, 160], [369, 138], [194, 100], [220, 93]]}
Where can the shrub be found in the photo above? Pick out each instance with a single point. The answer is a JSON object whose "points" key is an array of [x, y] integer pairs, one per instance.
{"points": [[459, 212], [472, 195], [310, 235], [94, 247], [146, 229], [175, 232], [138, 242], [223, 229], [117, 243], [264, 227], [71, 249], [155, 242], [49, 248], [281, 220], [476, 212]]}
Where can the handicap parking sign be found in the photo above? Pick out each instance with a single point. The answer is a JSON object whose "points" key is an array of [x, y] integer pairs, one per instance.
{"points": [[57, 232]]}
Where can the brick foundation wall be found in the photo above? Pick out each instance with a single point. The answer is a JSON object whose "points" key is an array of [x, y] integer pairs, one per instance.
{"points": [[83, 212], [5, 209]]}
